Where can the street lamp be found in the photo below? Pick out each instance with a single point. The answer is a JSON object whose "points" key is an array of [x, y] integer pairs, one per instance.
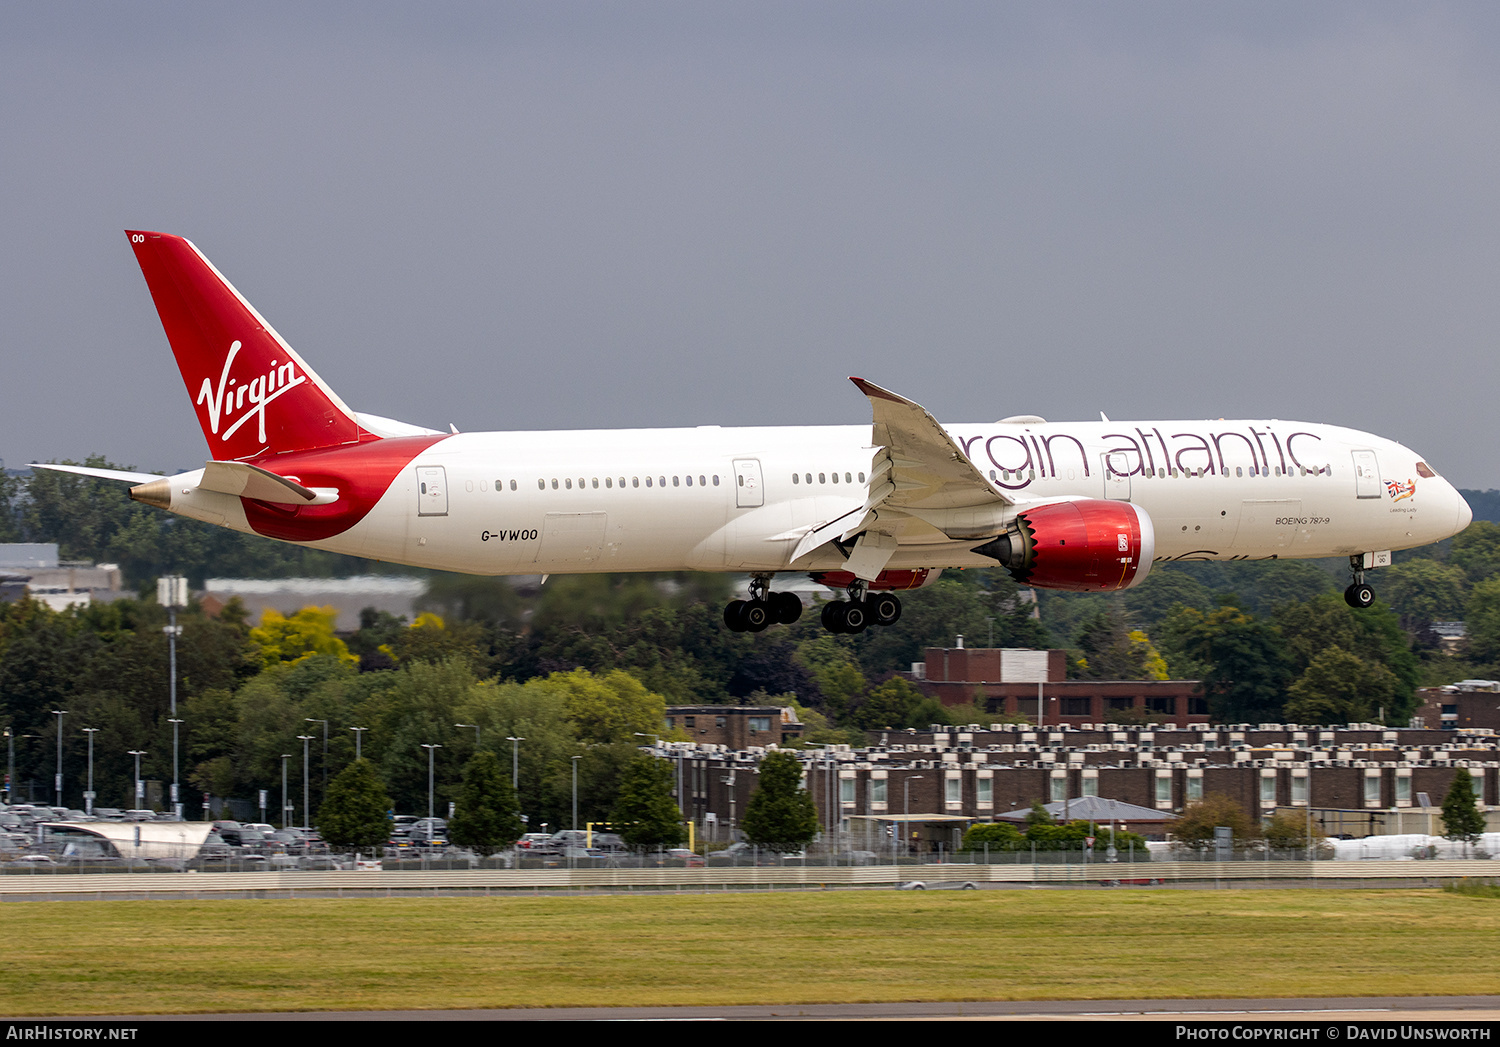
{"points": [[171, 593], [306, 795], [176, 797], [57, 780], [905, 831], [515, 763], [284, 808], [88, 795], [575, 790], [140, 790], [476, 733], [359, 736], [431, 753], [311, 719]]}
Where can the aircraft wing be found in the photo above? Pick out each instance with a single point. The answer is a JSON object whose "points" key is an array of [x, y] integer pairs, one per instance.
{"points": [[920, 482], [100, 474]]}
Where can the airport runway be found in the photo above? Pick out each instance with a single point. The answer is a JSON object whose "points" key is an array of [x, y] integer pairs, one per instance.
{"points": [[1476, 1010]]}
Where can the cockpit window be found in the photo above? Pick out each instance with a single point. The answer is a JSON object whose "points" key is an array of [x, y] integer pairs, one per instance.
{"points": [[1423, 470]]}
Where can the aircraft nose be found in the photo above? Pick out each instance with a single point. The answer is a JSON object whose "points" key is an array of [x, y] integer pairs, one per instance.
{"points": [[1465, 512]]}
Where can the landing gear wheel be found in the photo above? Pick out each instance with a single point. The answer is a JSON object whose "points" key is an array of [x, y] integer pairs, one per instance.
{"points": [[732, 615], [787, 607], [856, 616], [755, 616], [833, 617], [885, 607], [1359, 596]]}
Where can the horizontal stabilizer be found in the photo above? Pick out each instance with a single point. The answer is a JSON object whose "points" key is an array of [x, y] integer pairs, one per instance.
{"points": [[101, 474], [251, 481]]}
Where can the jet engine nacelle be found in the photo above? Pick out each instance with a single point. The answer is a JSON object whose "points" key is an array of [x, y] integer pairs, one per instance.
{"points": [[1088, 546]]}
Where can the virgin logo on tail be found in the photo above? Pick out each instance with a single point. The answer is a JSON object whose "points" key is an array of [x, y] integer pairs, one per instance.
{"points": [[259, 391]]}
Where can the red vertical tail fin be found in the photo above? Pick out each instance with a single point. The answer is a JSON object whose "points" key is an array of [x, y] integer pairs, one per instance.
{"points": [[253, 394]]}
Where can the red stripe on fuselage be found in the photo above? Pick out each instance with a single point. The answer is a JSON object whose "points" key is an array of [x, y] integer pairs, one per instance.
{"points": [[361, 472]]}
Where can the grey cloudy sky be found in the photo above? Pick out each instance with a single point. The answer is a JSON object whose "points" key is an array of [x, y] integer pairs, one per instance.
{"points": [[559, 215]]}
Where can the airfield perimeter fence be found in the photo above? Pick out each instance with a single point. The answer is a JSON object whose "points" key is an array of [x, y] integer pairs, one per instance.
{"points": [[761, 870]]}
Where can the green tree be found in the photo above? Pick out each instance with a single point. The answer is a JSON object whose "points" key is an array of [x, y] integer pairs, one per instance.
{"points": [[1195, 827], [997, 836], [1461, 819], [1288, 831], [781, 814], [1476, 551], [1423, 591], [304, 634], [645, 814], [1246, 669], [1482, 621], [356, 813], [1340, 688], [487, 817]]}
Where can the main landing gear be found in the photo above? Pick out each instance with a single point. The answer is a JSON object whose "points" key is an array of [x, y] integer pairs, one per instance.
{"points": [[764, 608], [854, 615], [1359, 595], [861, 610]]}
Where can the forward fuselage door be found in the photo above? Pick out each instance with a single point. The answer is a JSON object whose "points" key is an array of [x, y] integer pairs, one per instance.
{"points": [[1366, 475], [432, 491], [749, 492]]}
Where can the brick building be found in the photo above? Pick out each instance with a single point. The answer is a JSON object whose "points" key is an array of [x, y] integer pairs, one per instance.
{"points": [[1360, 780], [736, 726], [1008, 682], [1461, 706]]}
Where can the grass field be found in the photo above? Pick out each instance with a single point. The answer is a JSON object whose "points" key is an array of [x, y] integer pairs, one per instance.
{"points": [[75, 958]]}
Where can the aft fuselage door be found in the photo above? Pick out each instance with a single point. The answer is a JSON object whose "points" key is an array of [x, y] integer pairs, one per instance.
{"points": [[432, 491], [1366, 475], [748, 490]]}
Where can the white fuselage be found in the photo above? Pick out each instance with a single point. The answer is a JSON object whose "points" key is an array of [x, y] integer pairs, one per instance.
{"points": [[739, 499]]}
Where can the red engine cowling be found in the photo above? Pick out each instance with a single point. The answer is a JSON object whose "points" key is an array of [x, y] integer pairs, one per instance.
{"points": [[1087, 546], [914, 579]]}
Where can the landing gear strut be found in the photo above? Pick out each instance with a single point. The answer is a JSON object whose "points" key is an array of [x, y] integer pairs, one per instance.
{"points": [[1359, 595], [764, 608]]}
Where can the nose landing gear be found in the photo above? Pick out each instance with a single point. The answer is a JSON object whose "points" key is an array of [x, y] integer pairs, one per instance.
{"points": [[1359, 595]]}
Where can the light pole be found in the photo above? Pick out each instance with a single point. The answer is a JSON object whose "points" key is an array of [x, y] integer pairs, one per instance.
{"points": [[88, 795], [57, 779], [359, 736], [311, 719], [431, 752], [729, 781], [140, 791], [176, 798], [171, 593], [10, 767], [575, 790], [905, 830], [515, 764], [476, 733], [306, 795], [284, 819]]}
